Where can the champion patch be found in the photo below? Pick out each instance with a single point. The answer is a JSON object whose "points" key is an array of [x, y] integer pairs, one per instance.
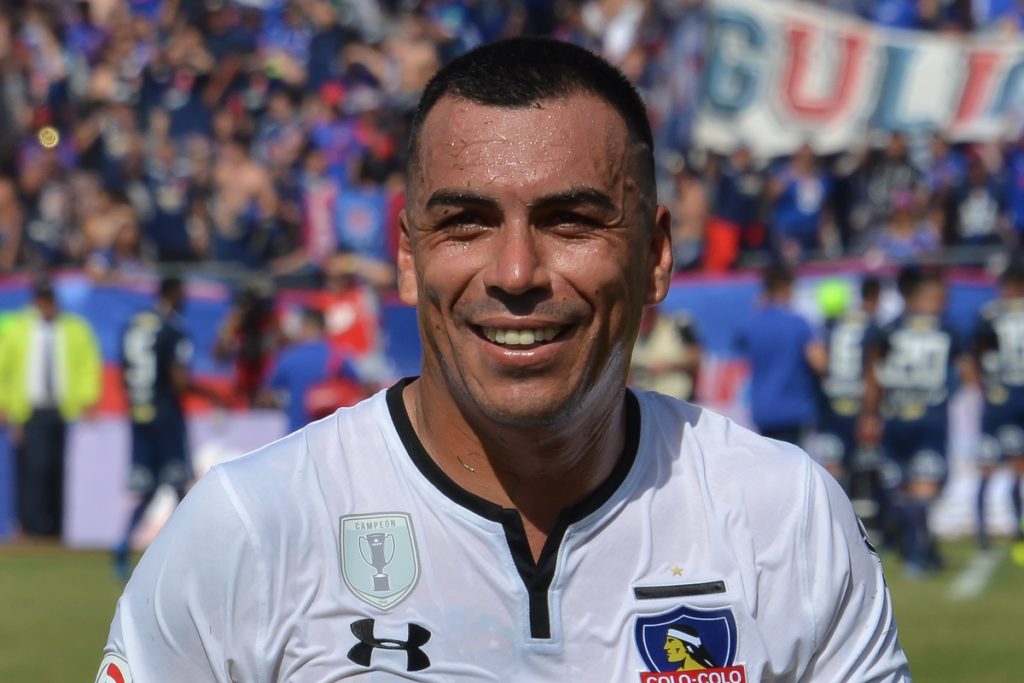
{"points": [[689, 645], [379, 561], [114, 669]]}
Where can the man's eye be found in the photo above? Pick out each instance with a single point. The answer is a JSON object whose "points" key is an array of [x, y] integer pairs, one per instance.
{"points": [[466, 218], [569, 219]]}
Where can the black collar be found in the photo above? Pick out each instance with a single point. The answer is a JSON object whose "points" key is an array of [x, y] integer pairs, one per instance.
{"points": [[537, 576]]}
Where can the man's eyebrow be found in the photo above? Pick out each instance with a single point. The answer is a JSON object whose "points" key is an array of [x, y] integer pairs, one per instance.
{"points": [[457, 198], [580, 196], [569, 197]]}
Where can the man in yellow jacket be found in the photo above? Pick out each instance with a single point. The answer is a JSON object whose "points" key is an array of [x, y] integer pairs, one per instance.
{"points": [[50, 373]]}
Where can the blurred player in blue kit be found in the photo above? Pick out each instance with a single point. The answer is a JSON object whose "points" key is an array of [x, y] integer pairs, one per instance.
{"points": [[999, 350], [785, 358], [155, 355], [912, 371], [304, 367], [847, 334]]}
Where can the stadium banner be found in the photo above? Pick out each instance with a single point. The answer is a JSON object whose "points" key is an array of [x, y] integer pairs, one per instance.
{"points": [[779, 74]]}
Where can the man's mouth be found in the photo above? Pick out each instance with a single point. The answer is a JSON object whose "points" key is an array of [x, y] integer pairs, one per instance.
{"points": [[522, 338]]}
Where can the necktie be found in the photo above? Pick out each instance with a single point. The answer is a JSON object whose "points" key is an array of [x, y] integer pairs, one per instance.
{"points": [[49, 394]]}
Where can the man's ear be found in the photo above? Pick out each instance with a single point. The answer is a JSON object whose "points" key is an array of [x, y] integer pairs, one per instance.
{"points": [[407, 287], [659, 258]]}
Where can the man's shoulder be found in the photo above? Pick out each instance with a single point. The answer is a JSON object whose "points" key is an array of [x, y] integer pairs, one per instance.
{"points": [[75, 321], [724, 445], [992, 310], [778, 315], [292, 465], [733, 467]]}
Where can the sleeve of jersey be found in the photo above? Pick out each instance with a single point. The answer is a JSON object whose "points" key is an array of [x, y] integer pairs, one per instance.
{"points": [[192, 610], [854, 624]]}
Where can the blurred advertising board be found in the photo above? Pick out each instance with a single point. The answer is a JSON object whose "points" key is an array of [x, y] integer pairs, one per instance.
{"points": [[96, 499], [779, 74]]}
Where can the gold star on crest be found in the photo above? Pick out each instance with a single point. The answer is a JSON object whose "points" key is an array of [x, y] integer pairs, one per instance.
{"points": [[676, 571]]}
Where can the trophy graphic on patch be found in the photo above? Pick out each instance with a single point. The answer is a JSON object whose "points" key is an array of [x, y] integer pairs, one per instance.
{"points": [[379, 558], [372, 544]]}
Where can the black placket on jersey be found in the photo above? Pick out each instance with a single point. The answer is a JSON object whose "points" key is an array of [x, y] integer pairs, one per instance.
{"points": [[536, 575]]}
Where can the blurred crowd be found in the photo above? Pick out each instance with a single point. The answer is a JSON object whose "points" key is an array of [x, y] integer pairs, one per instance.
{"points": [[271, 135], [951, 16], [266, 134], [894, 203]]}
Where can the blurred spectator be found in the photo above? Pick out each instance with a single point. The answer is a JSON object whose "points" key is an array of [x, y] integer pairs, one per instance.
{"points": [[305, 365], [946, 168], [169, 205], [736, 213], [243, 204], [904, 237], [673, 81], [667, 355], [250, 336], [1014, 188], [882, 176], [689, 217], [784, 358], [799, 194], [975, 209], [50, 373], [349, 305], [10, 224]]}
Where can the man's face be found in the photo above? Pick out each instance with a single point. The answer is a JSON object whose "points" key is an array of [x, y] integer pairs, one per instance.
{"points": [[46, 304], [530, 248], [930, 299]]}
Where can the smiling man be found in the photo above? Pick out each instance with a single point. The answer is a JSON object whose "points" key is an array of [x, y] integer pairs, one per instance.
{"points": [[515, 513]]}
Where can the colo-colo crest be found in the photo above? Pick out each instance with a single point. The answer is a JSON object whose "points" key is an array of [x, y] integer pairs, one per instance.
{"points": [[689, 645]]}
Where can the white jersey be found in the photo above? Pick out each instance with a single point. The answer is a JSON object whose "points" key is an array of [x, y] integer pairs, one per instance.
{"points": [[710, 555]]}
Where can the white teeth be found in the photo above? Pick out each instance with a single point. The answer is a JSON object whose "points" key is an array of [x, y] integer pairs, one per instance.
{"points": [[521, 337]]}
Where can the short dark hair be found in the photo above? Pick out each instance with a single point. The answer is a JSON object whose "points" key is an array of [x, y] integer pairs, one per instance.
{"points": [[913, 278], [518, 72], [907, 280], [1013, 275], [870, 288], [316, 318], [170, 286], [42, 287], [776, 277]]}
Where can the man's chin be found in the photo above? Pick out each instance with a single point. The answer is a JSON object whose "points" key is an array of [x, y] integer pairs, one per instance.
{"points": [[527, 405]]}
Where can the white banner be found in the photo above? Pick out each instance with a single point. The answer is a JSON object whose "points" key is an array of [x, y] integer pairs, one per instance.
{"points": [[778, 74]]}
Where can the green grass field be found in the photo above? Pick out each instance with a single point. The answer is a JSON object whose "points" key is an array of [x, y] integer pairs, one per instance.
{"points": [[56, 605]]}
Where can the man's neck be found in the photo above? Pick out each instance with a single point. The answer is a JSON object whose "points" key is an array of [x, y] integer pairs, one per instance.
{"points": [[538, 472]]}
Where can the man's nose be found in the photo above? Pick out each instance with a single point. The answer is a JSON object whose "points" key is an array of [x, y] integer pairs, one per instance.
{"points": [[517, 265]]}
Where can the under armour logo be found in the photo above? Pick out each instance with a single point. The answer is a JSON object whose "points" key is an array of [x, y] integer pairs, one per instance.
{"points": [[362, 652]]}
